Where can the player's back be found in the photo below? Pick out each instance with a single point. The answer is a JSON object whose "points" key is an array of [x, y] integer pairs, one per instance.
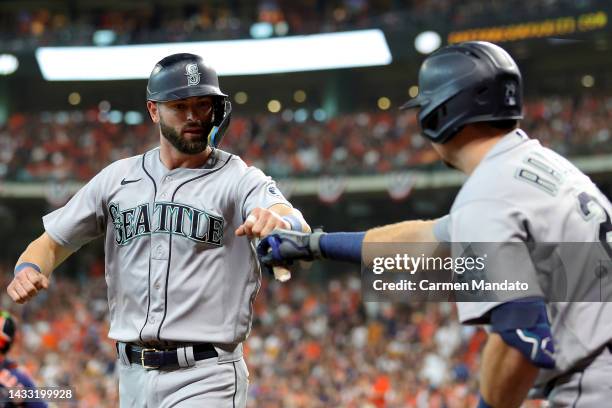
{"points": [[540, 197], [555, 200]]}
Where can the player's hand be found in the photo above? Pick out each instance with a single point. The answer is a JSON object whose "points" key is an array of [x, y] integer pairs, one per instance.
{"points": [[282, 247], [261, 222], [26, 284], [7, 379]]}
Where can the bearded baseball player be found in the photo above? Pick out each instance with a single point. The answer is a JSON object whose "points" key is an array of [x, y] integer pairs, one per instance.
{"points": [[517, 191], [181, 269]]}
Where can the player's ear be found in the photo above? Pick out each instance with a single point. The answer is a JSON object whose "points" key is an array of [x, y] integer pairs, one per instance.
{"points": [[153, 111]]}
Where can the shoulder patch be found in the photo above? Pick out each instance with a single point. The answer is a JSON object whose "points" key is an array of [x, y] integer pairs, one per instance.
{"points": [[273, 190]]}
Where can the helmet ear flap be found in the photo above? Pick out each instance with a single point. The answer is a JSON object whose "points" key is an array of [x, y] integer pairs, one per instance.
{"points": [[432, 121], [222, 112], [218, 110]]}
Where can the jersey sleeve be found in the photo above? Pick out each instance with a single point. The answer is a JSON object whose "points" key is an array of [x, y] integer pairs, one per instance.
{"points": [[258, 190], [441, 229], [82, 219], [498, 231]]}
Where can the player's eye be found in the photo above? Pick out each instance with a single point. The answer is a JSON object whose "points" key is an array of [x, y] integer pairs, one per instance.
{"points": [[205, 105]]}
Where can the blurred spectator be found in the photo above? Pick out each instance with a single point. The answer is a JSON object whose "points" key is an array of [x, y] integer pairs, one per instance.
{"points": [[312, 345], [68, 23], [76, 145]]}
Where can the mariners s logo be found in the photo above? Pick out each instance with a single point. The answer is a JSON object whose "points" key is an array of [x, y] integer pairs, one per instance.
{"points": [[193, 74]]}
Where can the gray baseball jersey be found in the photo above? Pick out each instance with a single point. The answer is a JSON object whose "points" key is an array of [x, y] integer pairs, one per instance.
{"points": [[175, 270], [523, 192]]}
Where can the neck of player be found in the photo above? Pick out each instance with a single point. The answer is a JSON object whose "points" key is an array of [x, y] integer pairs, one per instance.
{"points": [[173, 159], [468, 148]]}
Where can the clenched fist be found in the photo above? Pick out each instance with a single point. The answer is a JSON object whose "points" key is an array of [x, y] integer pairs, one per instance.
{"points": [[26, 284], [261, 222]]}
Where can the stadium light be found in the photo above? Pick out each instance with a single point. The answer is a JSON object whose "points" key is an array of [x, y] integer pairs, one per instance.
{"points": [[261, 30], [588, 81], [8, 64], [104, 106], [115, 117], [383, 103], [281, 28], [74, 98], [132, 118], [287, 115], [319, 115], [241, 97], [349, 49], [413, 91], [427, 42], [104, 37], [274, 106], [299, 96], [301, 115]]}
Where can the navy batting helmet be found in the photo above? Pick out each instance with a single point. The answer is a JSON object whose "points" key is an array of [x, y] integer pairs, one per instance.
{"points": [[180, 76], [465, 83], [7, 331]]}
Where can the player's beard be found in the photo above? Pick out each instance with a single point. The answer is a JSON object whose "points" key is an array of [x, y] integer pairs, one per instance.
{"points": [[181, 143]]}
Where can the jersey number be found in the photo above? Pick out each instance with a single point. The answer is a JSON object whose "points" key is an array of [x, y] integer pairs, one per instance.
{"points": [[591, 208], [549, 181]]}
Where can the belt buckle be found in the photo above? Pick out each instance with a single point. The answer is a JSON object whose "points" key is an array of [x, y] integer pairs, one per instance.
{"points": [[142, 358]]}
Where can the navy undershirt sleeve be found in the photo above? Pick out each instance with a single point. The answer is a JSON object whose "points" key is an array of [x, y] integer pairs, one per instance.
{"points": [[342, 246]]}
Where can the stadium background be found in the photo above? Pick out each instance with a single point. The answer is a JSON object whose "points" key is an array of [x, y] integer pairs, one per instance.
{"points": [[343, 154]]}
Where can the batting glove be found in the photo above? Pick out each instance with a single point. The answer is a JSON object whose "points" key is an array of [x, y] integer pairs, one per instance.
{"points": [[282, 247]]}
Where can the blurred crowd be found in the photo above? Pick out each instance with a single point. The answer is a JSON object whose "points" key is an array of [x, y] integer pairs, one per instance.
{"points": [[312, 345], [76, 145], [62, 338], [69, 23]]}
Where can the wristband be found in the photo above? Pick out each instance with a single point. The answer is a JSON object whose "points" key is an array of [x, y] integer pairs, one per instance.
{"points": [[24, 265], [296, 224]]}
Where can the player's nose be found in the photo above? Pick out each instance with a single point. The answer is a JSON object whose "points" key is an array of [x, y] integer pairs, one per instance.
{"points": [[191, 113], [196, 114]]}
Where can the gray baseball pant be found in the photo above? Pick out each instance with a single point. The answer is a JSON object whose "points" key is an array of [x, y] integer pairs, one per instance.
{"points": [[213, 382]]}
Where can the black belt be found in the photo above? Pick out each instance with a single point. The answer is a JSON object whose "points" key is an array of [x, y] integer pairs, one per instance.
{"points": [[154, 358]]}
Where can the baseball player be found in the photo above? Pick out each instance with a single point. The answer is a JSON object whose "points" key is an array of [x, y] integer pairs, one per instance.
{"points": [[10, 375], [517, 192], [181, 268]]}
